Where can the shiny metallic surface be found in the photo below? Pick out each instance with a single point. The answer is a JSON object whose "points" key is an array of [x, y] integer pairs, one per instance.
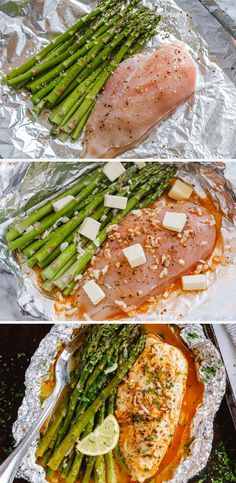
{"points": [[203, 127], [24, 184], [202, 424]]}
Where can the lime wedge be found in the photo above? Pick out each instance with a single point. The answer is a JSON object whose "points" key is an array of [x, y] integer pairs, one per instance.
{"points": [[102, 440]]}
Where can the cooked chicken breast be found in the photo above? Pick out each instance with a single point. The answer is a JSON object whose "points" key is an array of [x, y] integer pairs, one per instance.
{"points": [[169, 255], [142, 91], [148, 406]]}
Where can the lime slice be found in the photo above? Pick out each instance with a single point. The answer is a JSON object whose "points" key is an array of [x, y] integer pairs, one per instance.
{"points": [[102, 440]]}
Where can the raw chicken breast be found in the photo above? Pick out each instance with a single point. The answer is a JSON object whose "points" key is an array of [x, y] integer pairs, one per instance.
{"points": [[148, 406], [169, 255], [141, 92]]}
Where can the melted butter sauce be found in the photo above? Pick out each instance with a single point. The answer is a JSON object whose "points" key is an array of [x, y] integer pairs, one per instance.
{"points": [[176, 286], [192, 399], [71, 300]]}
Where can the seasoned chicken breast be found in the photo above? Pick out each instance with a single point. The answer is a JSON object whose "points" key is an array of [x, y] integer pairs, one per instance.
{"points": [[148, 406], [142, 91], [169, 255]]}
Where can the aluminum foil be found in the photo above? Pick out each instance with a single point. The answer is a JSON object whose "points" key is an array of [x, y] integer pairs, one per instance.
{"points": [[203, 127], [25, 184], [202, 424]]}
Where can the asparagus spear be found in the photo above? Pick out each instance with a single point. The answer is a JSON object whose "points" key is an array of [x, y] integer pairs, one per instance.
{"points": [[65, 109], [50, 271], [100, 378], [81, 391], [53, 268], [75, 468], [91, 460], [144, 204], [53, 427], [126, 336], [31, 249], [48, 221], [79, 266], [144, 37], [16, 229], [80, 126], [69, 102], [77, 80], [98, 215], [110, 468], [159, 189], [111, 476], [127, 333], [48, 285], [82, 22], [88, 102], [99, 470], [87, 192], [71, 225], [97, 54], [78, 49], [94, 339], [83, 420], [43, 92]]}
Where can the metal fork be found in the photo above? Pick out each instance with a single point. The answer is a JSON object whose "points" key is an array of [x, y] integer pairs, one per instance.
{"points": [[9, 468]]}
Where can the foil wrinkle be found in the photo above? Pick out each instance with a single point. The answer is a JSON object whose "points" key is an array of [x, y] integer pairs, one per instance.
{"points": [[202, 425]]}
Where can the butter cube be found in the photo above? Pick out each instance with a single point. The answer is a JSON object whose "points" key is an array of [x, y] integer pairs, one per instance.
{"points": [[135, 255], [174, 221], [194, 282], [89, 228], [94, 292], [113, 170], [58, 205], [118, 202], [180, 191]]}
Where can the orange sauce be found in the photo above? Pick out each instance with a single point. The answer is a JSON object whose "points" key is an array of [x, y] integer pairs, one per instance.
{"points": [[192, 399], [71, 300]]}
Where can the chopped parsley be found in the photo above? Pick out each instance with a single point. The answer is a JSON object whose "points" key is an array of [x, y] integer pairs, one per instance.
{"points": [[193, 335], [208, 373]]}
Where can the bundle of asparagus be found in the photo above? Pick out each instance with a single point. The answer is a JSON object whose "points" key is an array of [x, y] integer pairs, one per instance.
{"points": [[51, 239], [100, 367], [68, 74]]}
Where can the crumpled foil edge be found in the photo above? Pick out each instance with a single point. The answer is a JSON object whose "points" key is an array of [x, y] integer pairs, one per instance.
{"points": [[182, 134], [39, 180], [202, 424]]}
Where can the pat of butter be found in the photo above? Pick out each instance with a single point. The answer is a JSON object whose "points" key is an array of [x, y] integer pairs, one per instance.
{"points": [[89, 228], [118, 202], [140, 164], [135, 255], [180, 191], [94, 292], [113, 170], [174, 221], [194, 282], [58, 205]]}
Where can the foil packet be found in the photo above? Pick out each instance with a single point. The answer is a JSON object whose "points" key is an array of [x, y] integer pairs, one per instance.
{"points": [[201, 435], [203, 127], [25, 184]]}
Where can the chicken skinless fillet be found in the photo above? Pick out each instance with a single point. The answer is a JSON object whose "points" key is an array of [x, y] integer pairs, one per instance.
{"points": [[142, 91], [148, 406], [169, 255]]}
